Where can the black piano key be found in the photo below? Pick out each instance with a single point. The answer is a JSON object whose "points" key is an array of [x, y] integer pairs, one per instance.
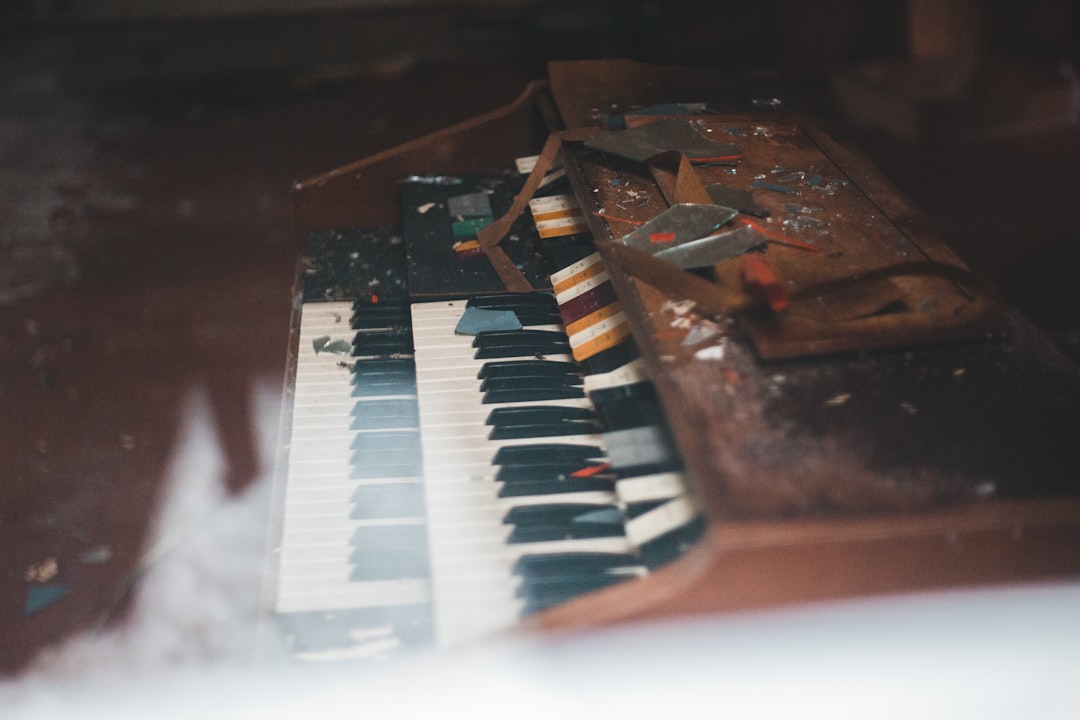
{"points": [[563, 521], [400, 536], [512, 343], [511, 301], [380, 314], [611, 359], [626, 413], [392, 342], [555, 532], [526, 368], [643, 390], [544, 595], [385, 385], [388, 318], [627, 406], [527, 382], [535, 472], [603, 515], [532, 394], [538, 415], [401, 304], [383, 366], [571, 564], [573, 575], [670, 545], [540, 421], [388, 500], [390, 441], [387, 552], [528, 314], [637, 509], [555, 513], [522, 487], [641, 450], [540, 430], [392, 413], [555, 472], [386, 454], [366, 466], [378, 378], [532, 317], [546, 453], [519, 338]]}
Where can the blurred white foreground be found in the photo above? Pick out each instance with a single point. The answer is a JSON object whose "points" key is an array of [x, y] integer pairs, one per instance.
{"points": [[1006, 653]]}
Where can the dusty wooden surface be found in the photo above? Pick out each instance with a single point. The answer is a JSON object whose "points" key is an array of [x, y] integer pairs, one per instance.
{"points": [[157, 164]]}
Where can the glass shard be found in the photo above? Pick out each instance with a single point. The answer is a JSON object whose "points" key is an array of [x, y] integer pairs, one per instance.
{"points": [[641, 143]]}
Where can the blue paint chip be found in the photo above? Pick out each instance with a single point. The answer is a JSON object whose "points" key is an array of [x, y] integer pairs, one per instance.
{"points": [[40, 597], [477, 320]]}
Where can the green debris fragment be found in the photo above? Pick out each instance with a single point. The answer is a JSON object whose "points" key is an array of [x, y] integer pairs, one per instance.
{"points": [[324, 343], [467, 228]]}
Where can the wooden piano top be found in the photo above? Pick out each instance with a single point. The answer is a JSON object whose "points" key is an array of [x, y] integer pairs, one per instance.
{"points": [[836, 451]]}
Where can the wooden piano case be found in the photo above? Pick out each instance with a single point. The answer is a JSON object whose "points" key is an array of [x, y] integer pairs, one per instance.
{"points": [[834, 452]]}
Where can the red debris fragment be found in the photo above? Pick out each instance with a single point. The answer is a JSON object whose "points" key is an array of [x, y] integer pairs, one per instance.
{"points": [[759, 277], [591, 470]]}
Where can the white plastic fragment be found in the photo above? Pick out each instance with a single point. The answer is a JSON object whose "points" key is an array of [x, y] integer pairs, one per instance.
{"points": [[679, 307], [713, 352]]}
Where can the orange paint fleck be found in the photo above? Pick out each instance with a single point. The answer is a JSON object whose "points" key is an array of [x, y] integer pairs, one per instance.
{"points": [[591, 470]]}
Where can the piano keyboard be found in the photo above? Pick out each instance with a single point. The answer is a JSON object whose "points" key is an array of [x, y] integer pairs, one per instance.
{"points": [[476, 490], [441, 486], [353, 484], [469, 494]]}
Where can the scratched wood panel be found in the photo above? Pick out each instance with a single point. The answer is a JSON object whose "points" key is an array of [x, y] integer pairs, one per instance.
{"points": [[935, 420], [858, 278]]}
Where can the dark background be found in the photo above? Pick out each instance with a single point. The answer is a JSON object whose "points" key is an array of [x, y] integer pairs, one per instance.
{"points": [[147, 156]]}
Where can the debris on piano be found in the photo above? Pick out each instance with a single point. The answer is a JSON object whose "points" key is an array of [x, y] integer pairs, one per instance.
{"points": [[729, 382]]}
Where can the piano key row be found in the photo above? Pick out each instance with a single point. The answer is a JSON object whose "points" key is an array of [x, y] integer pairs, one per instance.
{"points": [[451, 378], [347, 508], [380, 552], [317, 561]]}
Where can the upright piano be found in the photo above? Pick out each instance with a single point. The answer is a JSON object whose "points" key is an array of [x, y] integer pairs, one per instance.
{"points": [[643, 344]]}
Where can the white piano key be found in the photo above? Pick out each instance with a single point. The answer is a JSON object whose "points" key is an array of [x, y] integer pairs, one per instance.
{"points": [[300, 595], [317, 529], [316, 511], [658, 486], [302, 499], [318, 474], [660, 520]]}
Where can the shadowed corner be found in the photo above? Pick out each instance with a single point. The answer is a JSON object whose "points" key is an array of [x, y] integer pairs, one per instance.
{"points": [[231, 404], [194, 595]]}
